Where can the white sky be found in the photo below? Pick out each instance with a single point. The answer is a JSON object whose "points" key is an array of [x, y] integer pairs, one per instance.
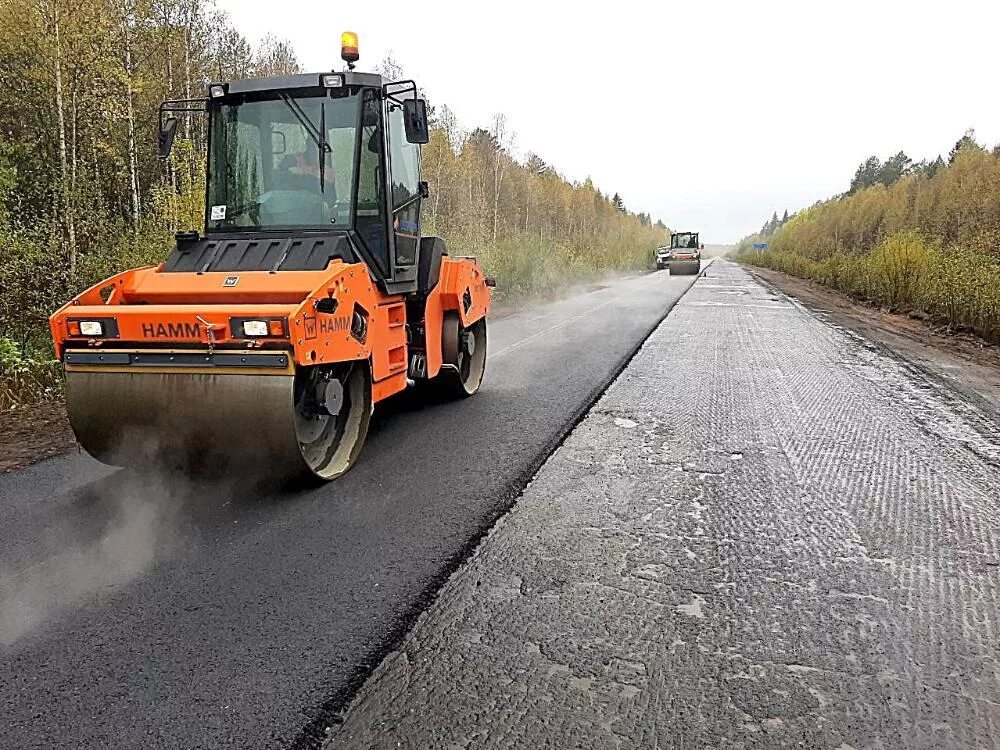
{"points": [[708, 114]]}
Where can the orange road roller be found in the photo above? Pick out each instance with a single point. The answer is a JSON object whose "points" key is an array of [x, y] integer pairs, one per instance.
{"points": [[264, 342]]}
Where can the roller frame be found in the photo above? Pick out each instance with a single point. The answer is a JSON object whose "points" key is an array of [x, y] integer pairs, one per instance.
{"points": [[170, 358]]}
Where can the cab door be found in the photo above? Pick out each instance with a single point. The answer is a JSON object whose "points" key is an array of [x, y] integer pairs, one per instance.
{"points": [[404, 200]]}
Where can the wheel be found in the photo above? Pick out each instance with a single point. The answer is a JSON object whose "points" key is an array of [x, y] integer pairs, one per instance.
{"points": [[333, 406], [463, 353]]}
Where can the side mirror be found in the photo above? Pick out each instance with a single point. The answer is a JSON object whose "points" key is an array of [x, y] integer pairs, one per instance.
{"points": [[702, 247], [415, 121], [165, 141]]}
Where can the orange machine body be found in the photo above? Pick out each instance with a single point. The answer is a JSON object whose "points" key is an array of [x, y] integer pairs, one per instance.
{"points": [[145, 309]]}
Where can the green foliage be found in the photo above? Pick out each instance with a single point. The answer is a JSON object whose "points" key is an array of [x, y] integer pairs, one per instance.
{"points": [[966, 143], [23, 380], [179, 201], [29, 283], [873, 171], [533, 266], [958, 203]]}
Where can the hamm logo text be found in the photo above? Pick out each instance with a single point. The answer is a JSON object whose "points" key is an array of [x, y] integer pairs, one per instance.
{"points": [[171, 330], [334, 325]]}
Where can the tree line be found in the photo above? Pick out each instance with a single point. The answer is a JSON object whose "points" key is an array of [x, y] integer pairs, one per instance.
{"points": [[873, 171], [83, 194], [773, 224], [920, 237]]}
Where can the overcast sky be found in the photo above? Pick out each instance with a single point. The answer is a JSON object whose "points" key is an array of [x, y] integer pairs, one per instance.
{"points": [[707, 114]]}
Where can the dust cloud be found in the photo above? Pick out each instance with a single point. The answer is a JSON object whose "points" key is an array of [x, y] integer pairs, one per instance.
{"points": [[85, 558]]}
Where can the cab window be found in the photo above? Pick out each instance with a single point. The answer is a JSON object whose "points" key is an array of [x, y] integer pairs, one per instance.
{"points": [[371, 220], [405, 169]]}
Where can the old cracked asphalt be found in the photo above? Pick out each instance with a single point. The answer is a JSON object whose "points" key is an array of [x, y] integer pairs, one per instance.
{"points": [[141, 612], [768, 533]]}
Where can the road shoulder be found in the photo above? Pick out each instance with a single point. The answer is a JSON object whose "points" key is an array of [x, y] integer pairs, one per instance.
{"points": [[32, 433], [966, 362]]}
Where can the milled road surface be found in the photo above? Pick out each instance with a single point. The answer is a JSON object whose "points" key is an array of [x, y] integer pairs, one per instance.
{"points": [[767, 533], [140, 612]]}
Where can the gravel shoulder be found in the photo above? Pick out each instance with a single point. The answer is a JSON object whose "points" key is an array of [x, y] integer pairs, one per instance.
{"points": [[965, 362]]}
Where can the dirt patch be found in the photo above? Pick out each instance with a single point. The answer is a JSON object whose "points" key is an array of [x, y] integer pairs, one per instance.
{"points": [[30, 433], [966, 362]]}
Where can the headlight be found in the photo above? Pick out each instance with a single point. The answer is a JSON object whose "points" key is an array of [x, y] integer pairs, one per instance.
{"points": [[254, 328], [91, 328], [258, 328]]}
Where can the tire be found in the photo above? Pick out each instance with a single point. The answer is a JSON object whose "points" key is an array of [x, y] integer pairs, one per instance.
{"points": [[311, 424], [330, 444], [463, 352]]}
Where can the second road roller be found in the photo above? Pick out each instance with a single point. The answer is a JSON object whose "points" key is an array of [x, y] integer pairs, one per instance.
{"points": [[264, 341]]}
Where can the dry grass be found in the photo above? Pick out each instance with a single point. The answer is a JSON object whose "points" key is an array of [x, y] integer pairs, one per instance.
{"points": [[958, 286]]}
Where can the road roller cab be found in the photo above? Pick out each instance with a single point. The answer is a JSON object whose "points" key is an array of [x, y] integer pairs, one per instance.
{"points": [[309, 295]]}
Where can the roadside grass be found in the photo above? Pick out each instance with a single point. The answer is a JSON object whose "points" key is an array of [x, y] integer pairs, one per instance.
{"points": [[956, 286], [31, 288], [25, 380]]}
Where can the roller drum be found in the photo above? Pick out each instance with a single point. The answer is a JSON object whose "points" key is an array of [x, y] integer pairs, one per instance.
{"points": [[210, 423], [186, 420]]}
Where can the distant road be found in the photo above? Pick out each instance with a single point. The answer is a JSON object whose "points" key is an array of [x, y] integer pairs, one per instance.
{"points": [[717, 251], [145, 613]]}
